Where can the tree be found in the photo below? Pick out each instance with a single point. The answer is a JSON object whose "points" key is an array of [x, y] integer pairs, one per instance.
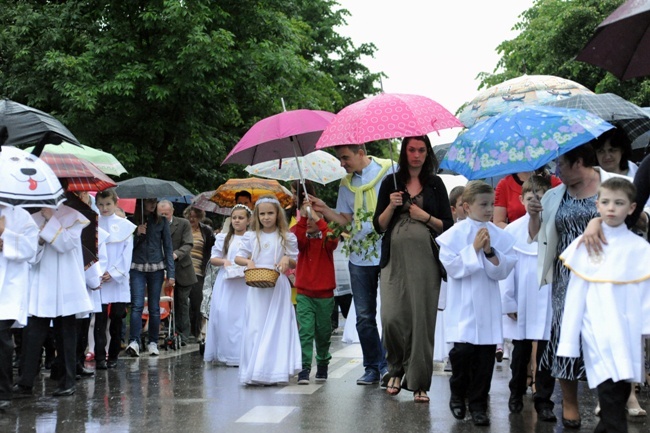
{"points": [[552, 32], [170, 86]]}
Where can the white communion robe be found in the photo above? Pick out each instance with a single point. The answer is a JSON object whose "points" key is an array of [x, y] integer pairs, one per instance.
{"points": [[58, 283], [271, 351], [227, 308], [20, 242], [521, 293], [608, 303], [119, 251], [473, 312], [441, 347], [94, 273]]}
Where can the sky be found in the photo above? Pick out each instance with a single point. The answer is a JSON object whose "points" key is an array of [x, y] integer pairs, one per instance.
{"points": [[433, 48]]}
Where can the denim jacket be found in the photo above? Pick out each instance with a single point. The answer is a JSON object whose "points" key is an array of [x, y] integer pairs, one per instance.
{"points": [[155, 246]]}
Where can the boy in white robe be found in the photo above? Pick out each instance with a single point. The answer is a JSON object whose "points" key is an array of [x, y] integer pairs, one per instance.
{"points": [[477, 254], [608, 305], [18, 244], [528, 309]]}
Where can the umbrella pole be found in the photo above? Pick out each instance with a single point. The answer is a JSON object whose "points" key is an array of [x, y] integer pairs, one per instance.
{"points": [[392, 163], [302, 179]]}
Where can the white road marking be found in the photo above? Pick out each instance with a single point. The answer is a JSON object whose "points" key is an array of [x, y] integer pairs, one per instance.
{"points": [[267, 414]]}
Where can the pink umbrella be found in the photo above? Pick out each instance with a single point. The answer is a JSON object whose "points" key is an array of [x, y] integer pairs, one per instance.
{"points": [[287, 134], [385, 116]]}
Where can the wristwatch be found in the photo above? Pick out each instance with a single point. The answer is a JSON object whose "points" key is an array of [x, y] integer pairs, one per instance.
{"points": [[490, 254]]}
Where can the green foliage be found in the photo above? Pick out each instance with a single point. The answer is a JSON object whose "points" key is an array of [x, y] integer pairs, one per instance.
{"points": [[364, 246], [169, 87], [552, 33]]}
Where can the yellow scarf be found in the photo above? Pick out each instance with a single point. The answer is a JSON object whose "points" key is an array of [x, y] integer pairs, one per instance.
{"points": [[367, 189]]}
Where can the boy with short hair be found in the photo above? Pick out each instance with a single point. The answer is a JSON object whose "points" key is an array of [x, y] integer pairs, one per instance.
{"points": [[528, 308], [477, 254], [315, 281], [456, 200], [608, 305]]}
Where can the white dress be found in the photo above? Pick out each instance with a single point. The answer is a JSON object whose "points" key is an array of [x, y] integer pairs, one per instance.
{"points": [[58, 284], [119, 251], [20, 242], [521, 293], [441, 347], [271, 351], [95, 271], [227, 309], [608, 305]]}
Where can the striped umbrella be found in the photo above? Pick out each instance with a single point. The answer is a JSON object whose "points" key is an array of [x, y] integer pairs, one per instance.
{"points": [[81, 175]]}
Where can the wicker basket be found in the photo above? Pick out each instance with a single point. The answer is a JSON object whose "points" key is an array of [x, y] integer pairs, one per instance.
{"points": [[262, 278]]}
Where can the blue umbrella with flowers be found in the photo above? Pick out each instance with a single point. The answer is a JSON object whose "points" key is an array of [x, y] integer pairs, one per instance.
{"points": [[523, 139]]}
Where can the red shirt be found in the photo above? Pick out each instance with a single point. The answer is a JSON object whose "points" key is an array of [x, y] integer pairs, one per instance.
{"points": [[315, 275], [507, 193]]}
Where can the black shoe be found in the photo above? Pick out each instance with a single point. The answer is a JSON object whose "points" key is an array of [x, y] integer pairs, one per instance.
{"points": [[111, 363], [101, 365], [457, 407], [547, 415], [20, 391], [515, 404], [571, 423], [480, 418], [321, 373], [84, 372], [60, 392], [4, 405], [303, 377]]}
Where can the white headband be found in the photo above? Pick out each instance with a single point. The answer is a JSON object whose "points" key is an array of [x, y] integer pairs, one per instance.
{"points": [[241, 206], [268, 200]]}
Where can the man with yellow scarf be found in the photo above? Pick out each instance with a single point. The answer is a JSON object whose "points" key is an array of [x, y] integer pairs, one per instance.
{"points": [[359, 189]]}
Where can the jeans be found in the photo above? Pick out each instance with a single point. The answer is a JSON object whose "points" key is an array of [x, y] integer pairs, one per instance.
{"points": [[152, 282], [364, 281]]}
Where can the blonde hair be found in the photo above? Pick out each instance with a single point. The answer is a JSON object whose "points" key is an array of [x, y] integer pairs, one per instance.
{"points": [[474, 188], [280, 219]]}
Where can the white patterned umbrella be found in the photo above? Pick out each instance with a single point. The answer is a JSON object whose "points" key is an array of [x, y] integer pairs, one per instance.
{"points": [[318, 166]]}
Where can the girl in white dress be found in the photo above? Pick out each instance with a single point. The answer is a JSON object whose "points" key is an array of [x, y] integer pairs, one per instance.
{"points": [[228, 304], [270, 352]]}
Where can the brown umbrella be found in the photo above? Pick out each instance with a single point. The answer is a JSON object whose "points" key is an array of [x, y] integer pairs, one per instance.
{"points": [[225, 195], [622, 42]]}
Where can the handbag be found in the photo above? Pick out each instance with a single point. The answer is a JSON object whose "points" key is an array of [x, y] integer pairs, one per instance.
{"points": [[436, 254], [234, 271]]}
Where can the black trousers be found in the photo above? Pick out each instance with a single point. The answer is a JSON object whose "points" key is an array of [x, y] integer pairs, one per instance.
{"points": [[544, 382], [196, 297], [182, 310], [471, 373], [344, 302], [117, 315], [612, 397], [34, 335], [83, 325], [6, 353]]}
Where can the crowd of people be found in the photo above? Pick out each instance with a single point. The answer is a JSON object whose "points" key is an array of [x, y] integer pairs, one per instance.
{"points": [[492, 264]]}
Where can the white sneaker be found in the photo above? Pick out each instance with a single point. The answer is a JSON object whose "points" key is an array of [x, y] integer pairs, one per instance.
{"points": [[133, 349], [153, 349]]}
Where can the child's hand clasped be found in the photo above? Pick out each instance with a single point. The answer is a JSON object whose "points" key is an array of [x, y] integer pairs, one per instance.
{"points": [[482, 240]]}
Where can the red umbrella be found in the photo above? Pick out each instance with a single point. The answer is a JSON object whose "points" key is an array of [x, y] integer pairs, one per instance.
{"points": [[622, 42], [80, 174]]}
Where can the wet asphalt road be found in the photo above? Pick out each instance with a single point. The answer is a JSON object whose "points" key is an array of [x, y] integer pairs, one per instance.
{"points": [[178, 392]]}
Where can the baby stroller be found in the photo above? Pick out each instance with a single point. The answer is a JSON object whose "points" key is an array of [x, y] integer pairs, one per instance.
{"points": [[171, 339]]}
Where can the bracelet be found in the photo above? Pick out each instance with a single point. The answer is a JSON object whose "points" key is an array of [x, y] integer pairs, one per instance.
{"points": [[490, 254], [427, 222]]}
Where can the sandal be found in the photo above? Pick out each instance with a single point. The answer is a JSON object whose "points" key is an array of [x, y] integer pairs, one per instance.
{"points": [[420, 397], [394, 386]]}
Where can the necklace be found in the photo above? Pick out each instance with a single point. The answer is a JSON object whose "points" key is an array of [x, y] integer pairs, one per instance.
{"points": [[577, 193]]}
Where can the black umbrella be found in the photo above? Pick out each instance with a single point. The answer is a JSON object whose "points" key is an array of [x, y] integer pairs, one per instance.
{"points": [[622, 42], [612, 108], [26, 125], [147, 187]]}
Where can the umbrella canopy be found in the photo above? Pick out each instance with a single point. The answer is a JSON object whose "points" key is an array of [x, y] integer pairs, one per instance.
{"points": [[202, 201], [147, 187], [385, 116], [287, 134], [224, 196], [79, 174], [610, 107], [524, 90], [318, 166], [106, 162], [27, 125], [27, 181], [621, 42], [522, 139]]}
